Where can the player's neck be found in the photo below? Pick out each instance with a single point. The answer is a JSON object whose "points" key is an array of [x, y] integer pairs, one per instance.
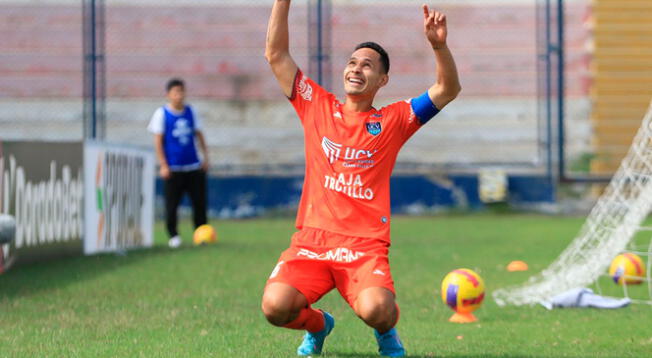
{"points": [[358, 104], [176, 106]]}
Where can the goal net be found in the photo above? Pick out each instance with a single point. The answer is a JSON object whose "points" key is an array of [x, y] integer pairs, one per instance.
{"points": [[613, 223]]}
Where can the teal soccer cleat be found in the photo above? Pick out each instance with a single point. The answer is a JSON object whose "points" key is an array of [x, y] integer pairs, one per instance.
{"points": [[314, 342], [389, 345]]}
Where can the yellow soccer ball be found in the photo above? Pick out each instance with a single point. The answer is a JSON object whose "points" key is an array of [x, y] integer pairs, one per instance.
{"points": [[462, 290], [204, 235], [627, 269]]}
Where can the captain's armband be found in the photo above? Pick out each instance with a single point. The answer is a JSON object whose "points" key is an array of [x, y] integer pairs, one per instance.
{"points": [[423, 108]]}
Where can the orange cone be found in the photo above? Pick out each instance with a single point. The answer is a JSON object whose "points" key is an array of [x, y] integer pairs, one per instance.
{"points": [[462, 318], [517, 266]]}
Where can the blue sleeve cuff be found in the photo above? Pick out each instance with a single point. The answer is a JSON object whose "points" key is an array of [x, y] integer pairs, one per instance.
{"points": [[423, 108]]}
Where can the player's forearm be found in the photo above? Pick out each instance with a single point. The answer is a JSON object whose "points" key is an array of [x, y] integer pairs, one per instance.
{"points": [[160, 154], [448, 82], [278, 38], [202, 146]]}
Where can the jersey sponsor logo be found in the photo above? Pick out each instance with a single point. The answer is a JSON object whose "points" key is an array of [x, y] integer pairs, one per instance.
{"points": [[340, 254], [331, 149], [373, 128], [360, 158], [182, 131], [363, 164], [305, 89], [351, 186]]}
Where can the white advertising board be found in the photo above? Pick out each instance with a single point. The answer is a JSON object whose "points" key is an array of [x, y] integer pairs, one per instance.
{"points": [[119, 197]]}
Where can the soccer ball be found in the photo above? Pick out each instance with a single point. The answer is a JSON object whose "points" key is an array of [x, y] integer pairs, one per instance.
{"points": [[462, 290], [204, 235], [627, 269]]}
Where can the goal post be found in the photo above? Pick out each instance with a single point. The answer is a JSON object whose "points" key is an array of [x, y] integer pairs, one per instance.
{"points": [[612, 223]]}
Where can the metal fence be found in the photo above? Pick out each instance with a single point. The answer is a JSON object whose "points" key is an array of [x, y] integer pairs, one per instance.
{"points": [[217, 47]]}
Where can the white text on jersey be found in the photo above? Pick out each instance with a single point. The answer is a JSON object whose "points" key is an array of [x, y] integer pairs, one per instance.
{"points": [[333, 151], [351, 186], [341, 254]]}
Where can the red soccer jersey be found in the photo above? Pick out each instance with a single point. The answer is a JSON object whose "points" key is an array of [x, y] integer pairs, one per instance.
{"points": [[349, 159]]}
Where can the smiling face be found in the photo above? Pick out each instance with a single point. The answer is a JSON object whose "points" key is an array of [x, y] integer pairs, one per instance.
{"points": [[364, 73]]}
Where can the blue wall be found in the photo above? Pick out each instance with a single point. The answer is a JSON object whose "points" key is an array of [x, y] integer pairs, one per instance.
{"points": [[248, 196]]}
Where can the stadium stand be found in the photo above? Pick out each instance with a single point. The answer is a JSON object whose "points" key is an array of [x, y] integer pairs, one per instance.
{"points": [[219, 51], [621, 69]]}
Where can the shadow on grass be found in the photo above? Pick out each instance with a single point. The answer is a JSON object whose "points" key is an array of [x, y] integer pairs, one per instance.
{"points": [[375, 355], [32, 278]]}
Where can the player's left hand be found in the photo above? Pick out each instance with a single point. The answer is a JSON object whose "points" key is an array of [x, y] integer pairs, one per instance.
{"points": [[434, 27], [205, 166]]}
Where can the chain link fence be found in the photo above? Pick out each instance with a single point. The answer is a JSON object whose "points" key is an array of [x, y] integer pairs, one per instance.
{"points": [[217, 47], [493, 121], [40, 70]]}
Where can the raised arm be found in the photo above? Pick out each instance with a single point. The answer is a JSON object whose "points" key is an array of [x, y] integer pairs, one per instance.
{"points": [[447, 86], [277, 48]]}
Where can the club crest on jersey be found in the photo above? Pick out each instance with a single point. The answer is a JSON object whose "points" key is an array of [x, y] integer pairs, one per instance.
{"points": [[373, 128]]}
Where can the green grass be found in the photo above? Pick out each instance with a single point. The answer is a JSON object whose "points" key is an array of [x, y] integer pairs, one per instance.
{"points": [[205, 301]]}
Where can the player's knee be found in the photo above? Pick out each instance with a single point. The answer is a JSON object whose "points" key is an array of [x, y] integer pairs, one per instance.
{"points": [[277, 311], [378, 311]]}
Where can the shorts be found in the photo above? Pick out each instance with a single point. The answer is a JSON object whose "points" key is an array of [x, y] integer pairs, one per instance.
{"points": [[318, 261]]}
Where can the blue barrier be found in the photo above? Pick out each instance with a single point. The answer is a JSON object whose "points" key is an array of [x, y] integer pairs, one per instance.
{"points": [[250, 196]]}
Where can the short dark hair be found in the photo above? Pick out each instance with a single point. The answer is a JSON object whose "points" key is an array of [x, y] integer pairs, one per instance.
{"points": [[384, 58], [174, 82]]}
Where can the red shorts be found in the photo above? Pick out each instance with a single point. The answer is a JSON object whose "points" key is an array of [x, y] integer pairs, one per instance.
{"points": [[318, 261]]}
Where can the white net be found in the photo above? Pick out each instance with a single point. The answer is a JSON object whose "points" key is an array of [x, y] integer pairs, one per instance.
{"points": [[614, 220]]}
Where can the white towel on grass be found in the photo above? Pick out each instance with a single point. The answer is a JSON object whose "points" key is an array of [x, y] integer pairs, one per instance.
{"points": [[584, 297]]}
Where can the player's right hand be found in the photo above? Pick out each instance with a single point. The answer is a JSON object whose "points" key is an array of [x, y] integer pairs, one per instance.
{"points": [[164, 172]]}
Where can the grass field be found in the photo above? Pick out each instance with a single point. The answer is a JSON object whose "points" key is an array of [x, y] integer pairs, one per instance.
{"points": [[204, 301]]}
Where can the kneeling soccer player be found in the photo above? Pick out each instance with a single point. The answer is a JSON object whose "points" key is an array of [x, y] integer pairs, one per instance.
{"points": [[344, 213]]}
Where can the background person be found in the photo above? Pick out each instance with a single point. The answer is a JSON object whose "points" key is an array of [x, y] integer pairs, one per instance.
{"points": [[177, 129]]}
